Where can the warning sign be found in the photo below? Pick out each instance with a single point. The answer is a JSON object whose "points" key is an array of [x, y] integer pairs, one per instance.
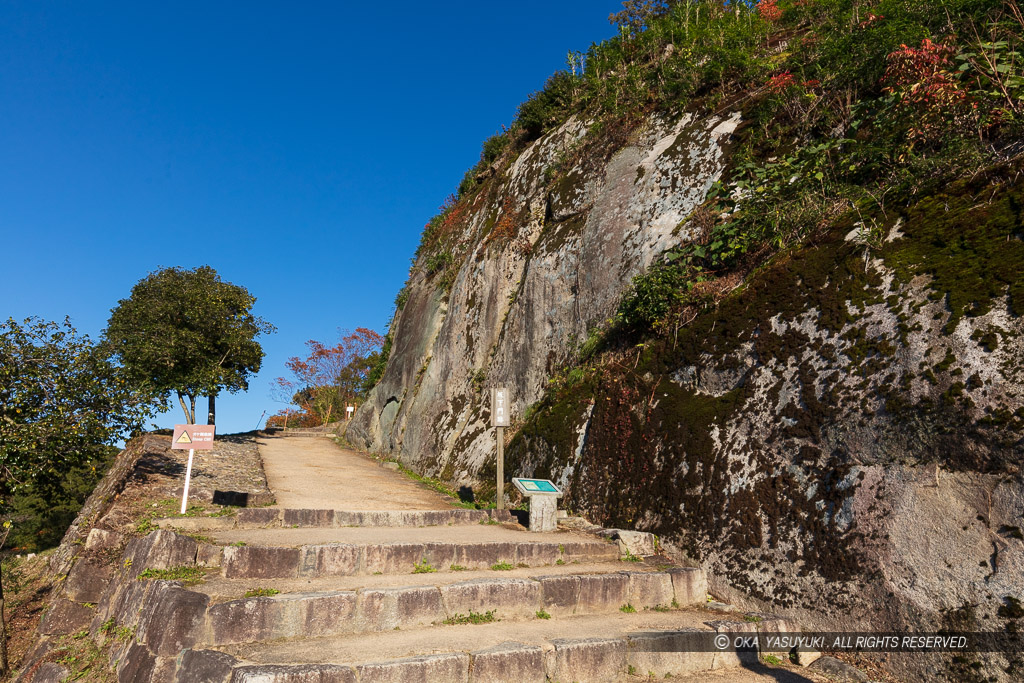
{"points": [[199, 437]]}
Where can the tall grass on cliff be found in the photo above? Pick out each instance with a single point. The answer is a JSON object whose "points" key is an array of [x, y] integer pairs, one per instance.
{"points": [[850, 108]]}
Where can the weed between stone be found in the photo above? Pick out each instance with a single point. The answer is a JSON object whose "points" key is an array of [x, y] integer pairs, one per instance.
{"points": [[423, 567], [200, 538], [472, 618], [111, 629], [81, 656]]}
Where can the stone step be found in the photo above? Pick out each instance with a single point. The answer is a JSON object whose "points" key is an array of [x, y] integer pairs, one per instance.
{"points": [[304, 431], [336, 613], [604, 648], [397, 633], [295, 536], [270, 518], [348, 559], [221, 589]]}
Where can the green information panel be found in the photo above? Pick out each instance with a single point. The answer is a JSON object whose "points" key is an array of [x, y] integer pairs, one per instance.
{"points": [[528, 486]]}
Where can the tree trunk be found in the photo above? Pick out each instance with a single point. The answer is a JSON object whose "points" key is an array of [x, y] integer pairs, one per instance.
{"points": [[189, 418], [3, 630], [211, 415], [192, 401], [3, 621]]}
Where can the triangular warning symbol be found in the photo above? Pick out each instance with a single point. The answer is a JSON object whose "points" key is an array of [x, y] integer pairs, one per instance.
{"points": [[184, 438]]}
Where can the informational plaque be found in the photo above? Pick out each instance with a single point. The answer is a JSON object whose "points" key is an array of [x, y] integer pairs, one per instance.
{"points": [[532, 487]]}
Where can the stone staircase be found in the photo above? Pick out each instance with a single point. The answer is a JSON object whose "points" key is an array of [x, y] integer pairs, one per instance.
{"points": [[328, 596]]}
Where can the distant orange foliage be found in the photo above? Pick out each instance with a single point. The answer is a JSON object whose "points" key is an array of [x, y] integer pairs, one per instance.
{"points": [[769, 10], [329, 378], [450, 216], [505, 227]]}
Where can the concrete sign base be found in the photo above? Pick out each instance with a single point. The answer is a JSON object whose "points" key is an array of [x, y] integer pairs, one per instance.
{"points": [[543, 512]]}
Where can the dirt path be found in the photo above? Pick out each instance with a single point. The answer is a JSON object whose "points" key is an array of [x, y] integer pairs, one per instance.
{"points": [[315, 473]]}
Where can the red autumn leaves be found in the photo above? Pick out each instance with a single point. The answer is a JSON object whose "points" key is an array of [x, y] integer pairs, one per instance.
{"points": [[329, 378]]}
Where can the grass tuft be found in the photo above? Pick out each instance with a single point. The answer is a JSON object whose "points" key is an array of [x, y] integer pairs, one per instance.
{"points": [[473, 618], [423, 567], [630, 557]]}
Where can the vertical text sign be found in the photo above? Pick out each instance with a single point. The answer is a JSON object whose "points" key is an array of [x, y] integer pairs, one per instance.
{"points": [[499, 407]]}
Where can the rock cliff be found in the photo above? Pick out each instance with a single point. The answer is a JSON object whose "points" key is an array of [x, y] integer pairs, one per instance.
{"points": [[838, 436], [752, 274], [542, 267]]}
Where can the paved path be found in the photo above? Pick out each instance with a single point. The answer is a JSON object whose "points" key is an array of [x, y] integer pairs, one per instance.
{"points": [[315, 473]]}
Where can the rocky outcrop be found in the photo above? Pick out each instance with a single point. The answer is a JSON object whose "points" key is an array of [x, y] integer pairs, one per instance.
{"points": [[543, 267], [839, 437]]}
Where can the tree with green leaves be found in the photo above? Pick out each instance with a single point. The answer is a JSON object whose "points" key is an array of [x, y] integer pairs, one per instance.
{"points": [[63, 404], [187, 332]]}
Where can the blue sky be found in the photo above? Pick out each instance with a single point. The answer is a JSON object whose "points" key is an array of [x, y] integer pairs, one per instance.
{"points": [[298, 148]]}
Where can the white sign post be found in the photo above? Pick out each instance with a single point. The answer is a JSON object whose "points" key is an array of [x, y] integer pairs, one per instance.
{"points": [[350, 410], [194, 438], [188, 478], [500, 420]]}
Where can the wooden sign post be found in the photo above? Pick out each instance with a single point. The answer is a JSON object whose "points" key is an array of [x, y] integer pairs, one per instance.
{"points": [[500, 420], [194, 438]]}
